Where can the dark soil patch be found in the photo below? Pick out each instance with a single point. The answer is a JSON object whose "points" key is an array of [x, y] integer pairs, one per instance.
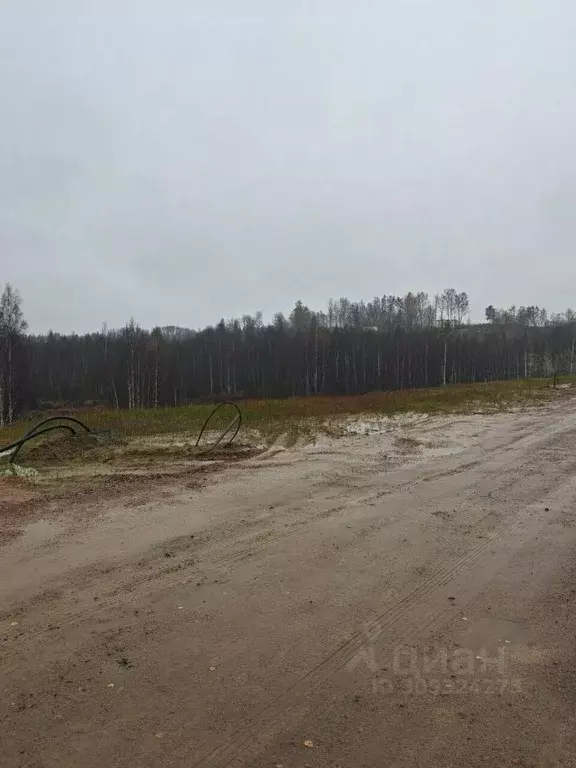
{"points": [[17, 504], [23, 500]]}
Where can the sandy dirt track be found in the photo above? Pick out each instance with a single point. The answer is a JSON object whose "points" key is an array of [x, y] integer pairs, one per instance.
{"points": [[399, 598]]}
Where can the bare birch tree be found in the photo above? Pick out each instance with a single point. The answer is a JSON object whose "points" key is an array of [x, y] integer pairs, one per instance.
{"points": [[12, 326]]}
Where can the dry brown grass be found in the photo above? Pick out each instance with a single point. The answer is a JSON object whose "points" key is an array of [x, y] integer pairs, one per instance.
{"points": [[293, 418]]}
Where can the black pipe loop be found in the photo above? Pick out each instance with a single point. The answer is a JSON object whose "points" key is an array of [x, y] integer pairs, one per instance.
{"points": [[37, 431]]}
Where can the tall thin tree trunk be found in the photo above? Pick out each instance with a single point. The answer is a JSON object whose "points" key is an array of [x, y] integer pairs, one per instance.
{"points": [[156, 371], [307, 367], [2, 396], [221, 368], [10, 388], [115, 394]]}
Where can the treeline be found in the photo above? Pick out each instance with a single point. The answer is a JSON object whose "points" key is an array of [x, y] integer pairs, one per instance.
{"points": [[352, 347], [531, 315]]}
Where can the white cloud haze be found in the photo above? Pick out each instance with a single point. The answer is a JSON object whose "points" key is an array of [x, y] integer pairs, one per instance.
{"points": [[180, 161]]}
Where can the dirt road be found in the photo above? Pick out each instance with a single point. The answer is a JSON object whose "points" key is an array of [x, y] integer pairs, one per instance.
{"points": [[402, 599]]}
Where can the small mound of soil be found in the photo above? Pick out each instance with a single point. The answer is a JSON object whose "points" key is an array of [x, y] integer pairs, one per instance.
{"points": [[60, 448], [407, 444], [232, 452]]}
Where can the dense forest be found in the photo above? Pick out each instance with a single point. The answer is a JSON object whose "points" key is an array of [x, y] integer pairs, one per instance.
{"points": [[388, 343]]}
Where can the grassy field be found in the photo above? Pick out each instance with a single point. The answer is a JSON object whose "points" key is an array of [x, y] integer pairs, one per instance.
{"points": [[272, 417]]}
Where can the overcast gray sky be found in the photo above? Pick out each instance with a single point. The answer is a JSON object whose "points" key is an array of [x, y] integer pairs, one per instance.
{"points": [[183, 160]]}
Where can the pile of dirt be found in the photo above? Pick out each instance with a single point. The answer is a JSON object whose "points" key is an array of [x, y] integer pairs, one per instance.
{"points": [[408, 444], [63, 448], [139, 453]]}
